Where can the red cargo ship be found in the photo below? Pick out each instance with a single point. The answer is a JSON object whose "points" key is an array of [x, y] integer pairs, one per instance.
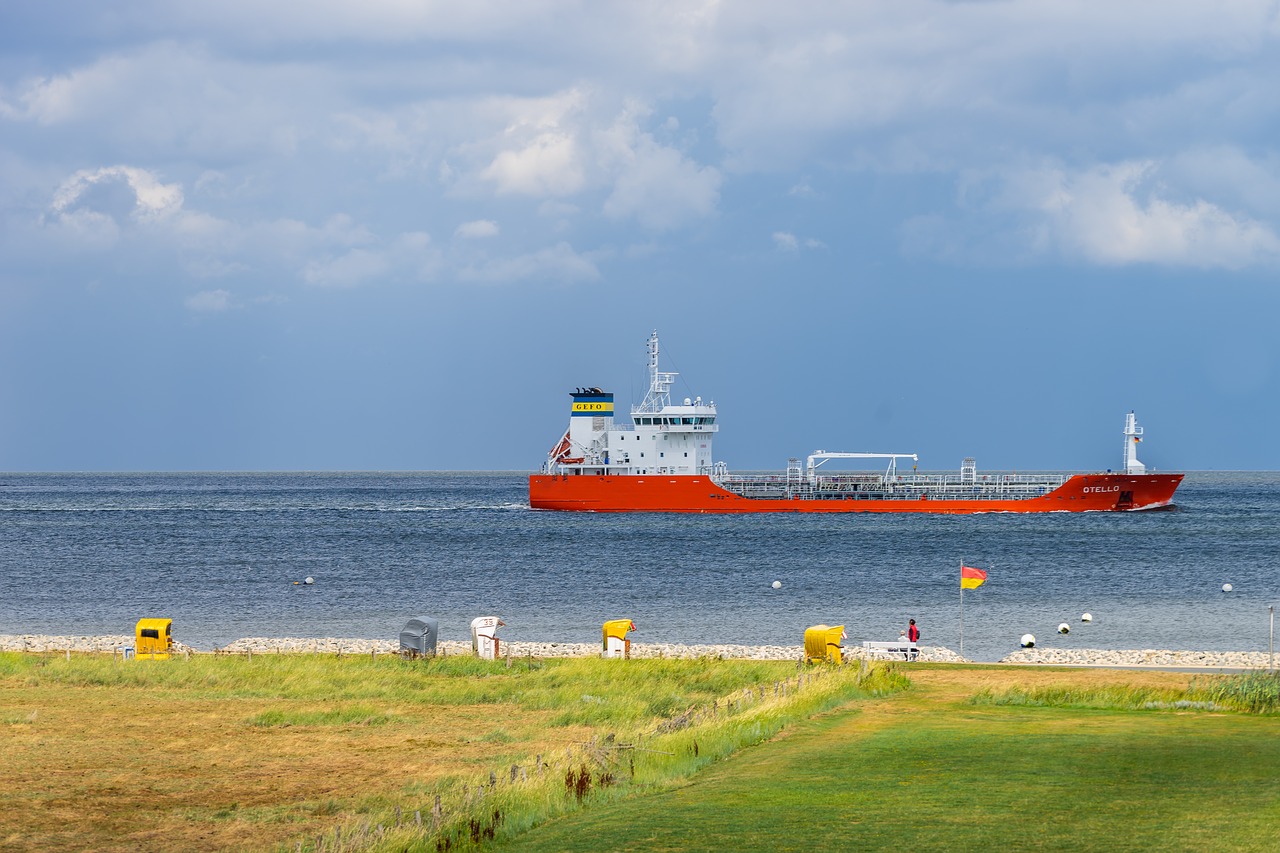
{"points": [[661, 462]]}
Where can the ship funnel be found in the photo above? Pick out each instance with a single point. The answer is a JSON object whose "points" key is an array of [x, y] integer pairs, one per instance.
{"points": [[1132, 438], [590, 419]]}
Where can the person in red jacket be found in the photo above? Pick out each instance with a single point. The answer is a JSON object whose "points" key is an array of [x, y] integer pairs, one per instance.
{"points": [[913, 636]]}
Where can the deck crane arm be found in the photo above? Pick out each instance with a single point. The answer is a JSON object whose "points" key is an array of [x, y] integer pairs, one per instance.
{"points": [[818, 457]]}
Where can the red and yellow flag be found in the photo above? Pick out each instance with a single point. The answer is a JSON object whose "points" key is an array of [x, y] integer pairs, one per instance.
{"points": [[971, 578]]}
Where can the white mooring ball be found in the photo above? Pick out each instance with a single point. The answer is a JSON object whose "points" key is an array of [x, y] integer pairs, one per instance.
{"points": [[310, 580], [1064, 628], [1027, 641], [1087, 617], [1226, 587], [777, 584]]}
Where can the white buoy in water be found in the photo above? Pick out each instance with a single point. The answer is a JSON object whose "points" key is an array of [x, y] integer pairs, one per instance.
{"points": [[310, 580], [1087, 617], [1027, 641], [777, 584], [1226, 587], [1064, 628]]}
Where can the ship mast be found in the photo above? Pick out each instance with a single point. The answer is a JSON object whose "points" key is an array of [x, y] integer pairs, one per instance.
{"points": [[1132, 435], [658, 397]]}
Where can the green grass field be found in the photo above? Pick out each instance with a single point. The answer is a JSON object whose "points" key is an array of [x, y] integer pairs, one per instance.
{"points": [[930, 769], [354, 754]]}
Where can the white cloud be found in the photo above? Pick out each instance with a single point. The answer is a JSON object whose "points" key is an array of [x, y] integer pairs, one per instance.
{"points": [[353, 268], [1117, 214], [559, 263], [1226, 172], [151, 198], [65, 97], [550, 112], [209, 301], [657, 185], [165, 99], [923, 86], [548, 164], [539, 153], [663, 189], [785, 241], [576, 143], [410, 256], [214, 184], [477, 229], [94, 209], [1113, 214]]}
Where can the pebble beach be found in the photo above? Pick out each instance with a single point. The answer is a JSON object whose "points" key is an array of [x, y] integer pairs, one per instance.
{"points": [[115, 644]]}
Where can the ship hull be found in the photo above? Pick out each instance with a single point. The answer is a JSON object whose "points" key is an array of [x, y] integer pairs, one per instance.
{"points": [[1109, 492]]}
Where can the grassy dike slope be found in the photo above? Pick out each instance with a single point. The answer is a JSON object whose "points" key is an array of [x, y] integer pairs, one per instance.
{"points": [[930, 769], [354, 753]]}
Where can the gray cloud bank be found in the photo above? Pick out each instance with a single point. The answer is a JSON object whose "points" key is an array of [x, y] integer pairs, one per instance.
{"points": [[329, 144]]}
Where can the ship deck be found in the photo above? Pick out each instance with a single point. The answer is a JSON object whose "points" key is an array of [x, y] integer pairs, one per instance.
{"points": [[909, 487]]}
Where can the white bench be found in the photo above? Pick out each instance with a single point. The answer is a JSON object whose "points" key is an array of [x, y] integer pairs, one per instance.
{"points": [[895, 650]]}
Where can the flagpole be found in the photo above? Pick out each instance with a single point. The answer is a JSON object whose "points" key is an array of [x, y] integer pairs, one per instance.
{"points": [[962, 607]]}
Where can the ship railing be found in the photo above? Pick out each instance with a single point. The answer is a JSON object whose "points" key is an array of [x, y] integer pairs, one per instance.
{"points": [[906, 487], [988, 480]]}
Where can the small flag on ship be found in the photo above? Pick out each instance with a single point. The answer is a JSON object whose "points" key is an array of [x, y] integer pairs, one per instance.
{"points": [[971, 578]]}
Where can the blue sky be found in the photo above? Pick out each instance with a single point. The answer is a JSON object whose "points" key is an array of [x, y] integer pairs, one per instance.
{"points": [[395, 235]]}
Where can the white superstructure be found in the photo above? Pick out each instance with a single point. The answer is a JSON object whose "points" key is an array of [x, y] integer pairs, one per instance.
{"points": [[676, 439], [662, 438]]}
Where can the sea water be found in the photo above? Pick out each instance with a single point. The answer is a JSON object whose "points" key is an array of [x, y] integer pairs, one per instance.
{"points": [[225, 556]]}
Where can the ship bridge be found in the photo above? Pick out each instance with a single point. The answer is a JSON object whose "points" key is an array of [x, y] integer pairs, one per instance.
{"points": [[662, 438]]}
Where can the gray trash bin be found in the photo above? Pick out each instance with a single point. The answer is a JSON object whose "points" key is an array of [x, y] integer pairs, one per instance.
{"points": [[418, 637]]}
